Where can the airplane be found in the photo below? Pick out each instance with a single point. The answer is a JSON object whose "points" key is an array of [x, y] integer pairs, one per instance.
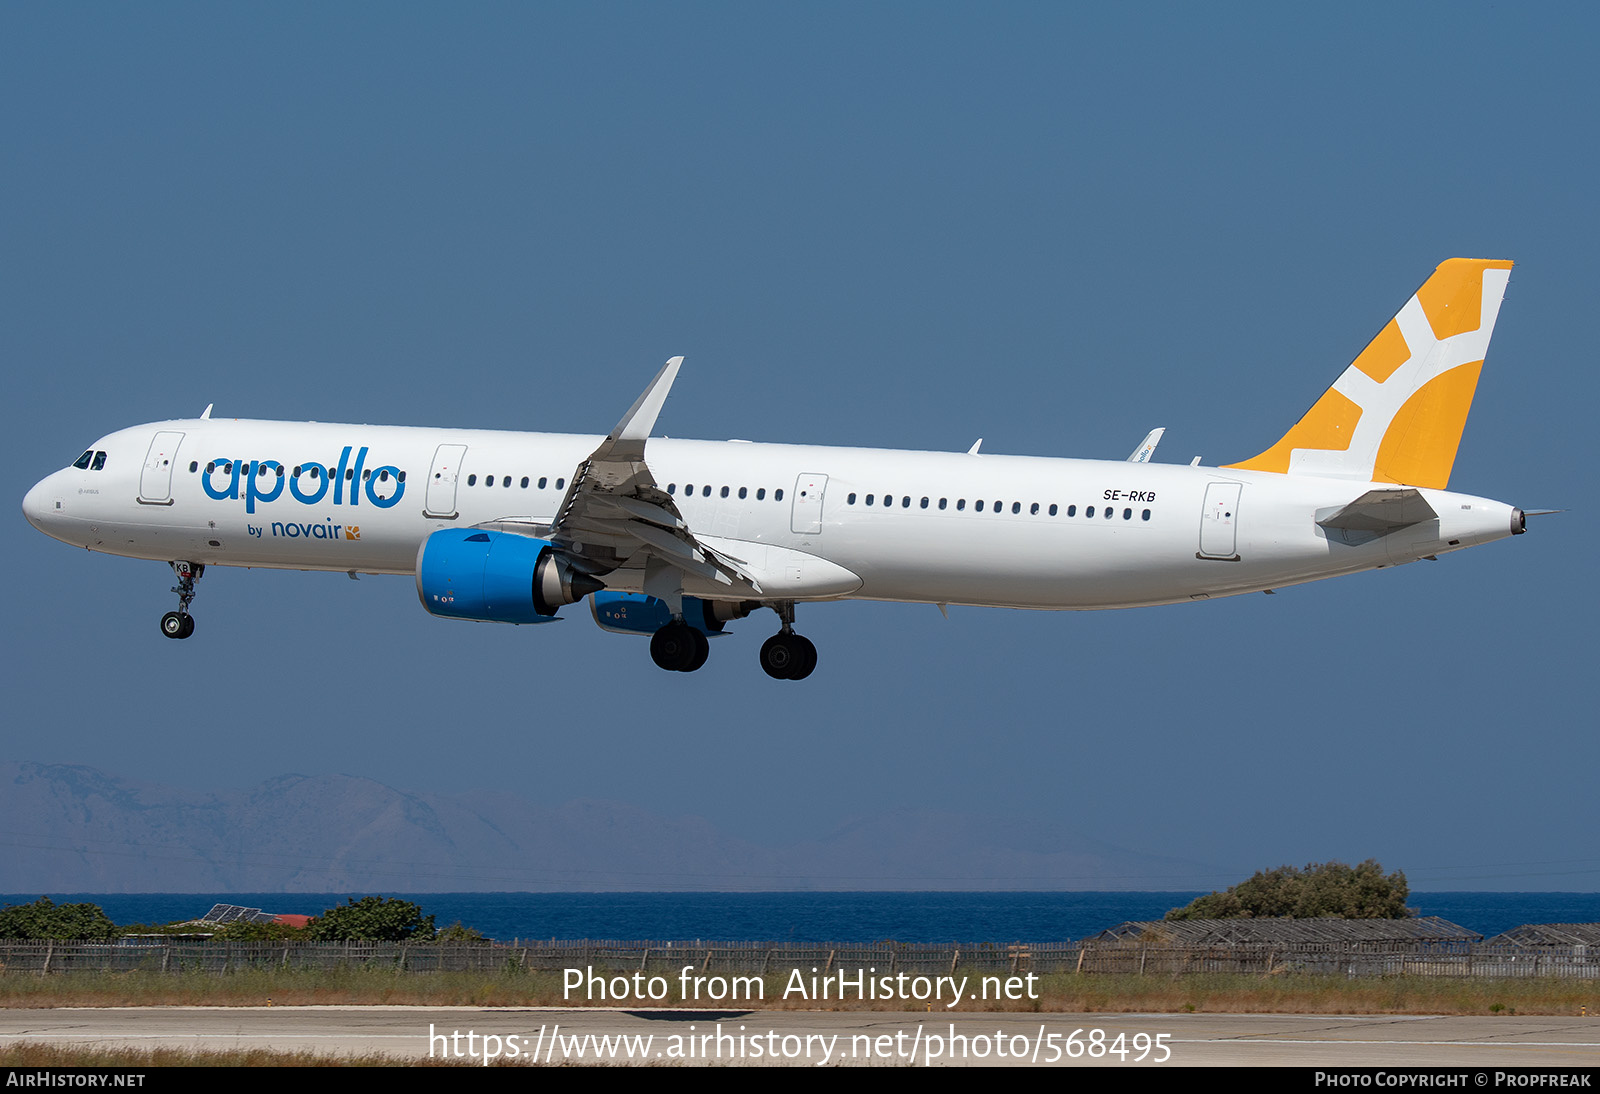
{"points": [[675, 539]]}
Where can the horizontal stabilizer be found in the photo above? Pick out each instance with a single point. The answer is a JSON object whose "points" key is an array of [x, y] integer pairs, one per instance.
{"points": [[1380, 512]]}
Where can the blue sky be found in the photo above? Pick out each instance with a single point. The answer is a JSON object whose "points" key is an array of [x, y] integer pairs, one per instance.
{"points": [[905, 225]]}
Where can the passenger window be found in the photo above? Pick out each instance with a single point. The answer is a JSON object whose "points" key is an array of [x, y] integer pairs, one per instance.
{"points": [[961, 503], [1110, 512], [194, 465], [507, 483], [870, 497], [488, 480], [400, 477], [724, 491], [211, 465], [1145, 515], [743, 492], [672, 487], [1016, 507], [1052, 509], [905, 502], [1034, 509], [472, 480], [543, 482], [561, 484], [1089, 512], [942, 502], [777, 495], [524, 482], [1072, 511], [1127, 514], [924, 503], [82, 462], [705, 491], [850, 500], [761, 493]]}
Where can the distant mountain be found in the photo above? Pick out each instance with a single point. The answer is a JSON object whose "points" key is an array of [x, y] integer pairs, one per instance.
{"points": [[76, 829]]}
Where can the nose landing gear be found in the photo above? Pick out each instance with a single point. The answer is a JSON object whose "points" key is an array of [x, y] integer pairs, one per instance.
{"points": [[180, 624]]}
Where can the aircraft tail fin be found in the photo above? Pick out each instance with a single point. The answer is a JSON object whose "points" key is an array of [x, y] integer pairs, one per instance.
{"points": [[1397, 413]]}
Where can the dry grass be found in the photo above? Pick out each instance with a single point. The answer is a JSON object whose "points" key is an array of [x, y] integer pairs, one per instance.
{"points": [[32, 1054], [1058, 993]]}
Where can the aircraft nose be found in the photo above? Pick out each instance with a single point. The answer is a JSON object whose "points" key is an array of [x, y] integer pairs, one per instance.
{"points": [[38, 503]]}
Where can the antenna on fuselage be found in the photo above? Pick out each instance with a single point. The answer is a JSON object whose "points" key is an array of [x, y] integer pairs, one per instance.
{"points": [[205, 415]]}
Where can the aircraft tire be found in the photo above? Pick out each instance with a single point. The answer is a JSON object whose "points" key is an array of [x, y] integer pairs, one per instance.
{"points": [[172, 625], [807, 659], [673, 647], [781, 655], [702, 650]]}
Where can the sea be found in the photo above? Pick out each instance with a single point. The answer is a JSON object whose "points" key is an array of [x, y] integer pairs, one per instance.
{"points": [[807, 917]]}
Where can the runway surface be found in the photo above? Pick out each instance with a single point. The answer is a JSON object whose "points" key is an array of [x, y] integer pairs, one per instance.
{"points": [[858, 1038]]}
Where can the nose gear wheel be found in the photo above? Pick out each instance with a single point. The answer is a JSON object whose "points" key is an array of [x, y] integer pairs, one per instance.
{"points": [[180, 624]]}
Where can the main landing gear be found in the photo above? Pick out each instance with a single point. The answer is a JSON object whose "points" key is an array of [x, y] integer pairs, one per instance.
{"points": [[678, 647], [180, 624], [786, 655]]}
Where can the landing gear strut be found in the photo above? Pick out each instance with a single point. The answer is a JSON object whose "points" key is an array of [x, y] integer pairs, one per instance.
{"points": [[787, 655], [678, 647], [180, 624]]}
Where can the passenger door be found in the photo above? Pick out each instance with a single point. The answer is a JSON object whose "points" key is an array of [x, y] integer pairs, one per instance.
{"points": [[441, 503], [1219, 522], [155, 481], [806, 517]]}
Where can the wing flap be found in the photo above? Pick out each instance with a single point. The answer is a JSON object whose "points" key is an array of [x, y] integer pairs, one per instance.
{"points": [[614, 514]]}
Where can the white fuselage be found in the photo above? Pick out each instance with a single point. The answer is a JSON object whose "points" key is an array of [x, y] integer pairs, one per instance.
{"points": [[958, 528]]}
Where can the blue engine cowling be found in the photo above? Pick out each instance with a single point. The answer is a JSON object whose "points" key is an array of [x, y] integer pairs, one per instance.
{"points": [[635, 613], [496, 577]]}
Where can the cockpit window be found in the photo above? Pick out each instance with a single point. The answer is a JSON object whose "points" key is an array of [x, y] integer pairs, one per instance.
{"points": [[99, 462], [82, 462]]}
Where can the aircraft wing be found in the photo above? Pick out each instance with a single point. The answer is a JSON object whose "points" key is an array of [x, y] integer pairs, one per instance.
{"points": [[614, 513]]}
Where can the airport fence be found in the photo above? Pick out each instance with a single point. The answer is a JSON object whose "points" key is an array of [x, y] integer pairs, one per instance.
{"points": [[174, 955]]}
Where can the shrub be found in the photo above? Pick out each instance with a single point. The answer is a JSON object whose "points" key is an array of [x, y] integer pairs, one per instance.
{"points": [[372, 919], [1321, 889], [63, 922]]}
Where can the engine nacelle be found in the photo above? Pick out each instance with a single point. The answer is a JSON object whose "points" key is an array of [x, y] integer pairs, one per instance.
{"points": [[635, 613], [465, 573]]}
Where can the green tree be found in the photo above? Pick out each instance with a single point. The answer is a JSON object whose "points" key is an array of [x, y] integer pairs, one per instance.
{"points": [[457, 933], [64, 922], [372, 919], [1321, 889]]}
